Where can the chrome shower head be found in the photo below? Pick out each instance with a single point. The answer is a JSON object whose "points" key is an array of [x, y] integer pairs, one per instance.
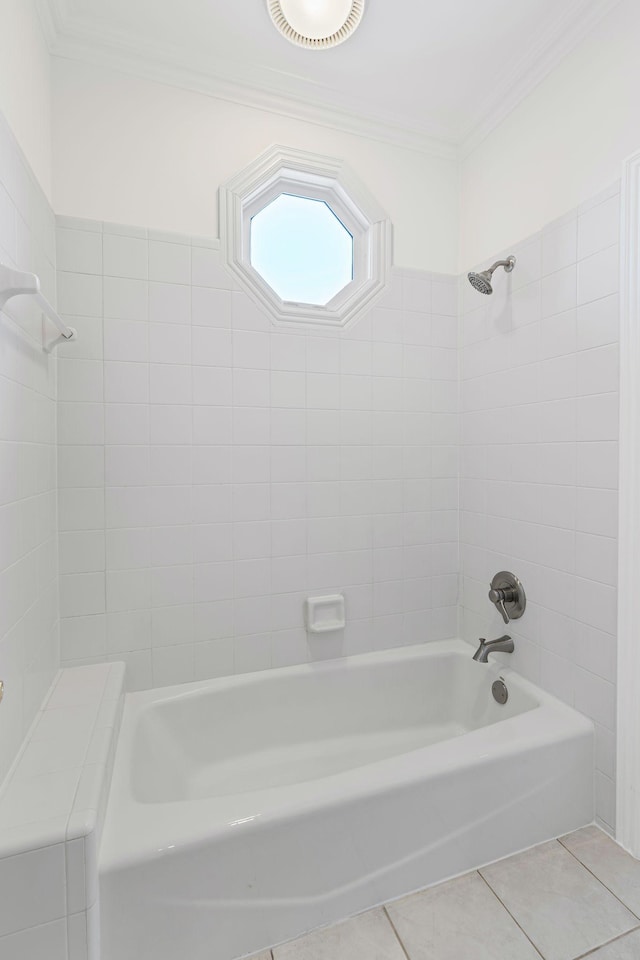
{"points": [[482, 281]]}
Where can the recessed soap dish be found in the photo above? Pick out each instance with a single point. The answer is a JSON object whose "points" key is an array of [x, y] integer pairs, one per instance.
{"points": [[325, 614]]}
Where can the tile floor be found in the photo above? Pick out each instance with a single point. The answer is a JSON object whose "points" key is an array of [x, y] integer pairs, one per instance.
{"points": [[563, 900]]}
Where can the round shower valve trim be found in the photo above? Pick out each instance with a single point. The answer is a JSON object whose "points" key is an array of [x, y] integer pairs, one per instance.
{"points": [[508, 596]]}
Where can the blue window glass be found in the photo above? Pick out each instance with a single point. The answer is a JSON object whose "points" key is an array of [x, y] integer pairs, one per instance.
{"points": [[301, 249]]}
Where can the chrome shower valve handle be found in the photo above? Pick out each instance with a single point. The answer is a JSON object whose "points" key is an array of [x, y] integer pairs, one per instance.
{"points": [[499, 598], [508, 596]]}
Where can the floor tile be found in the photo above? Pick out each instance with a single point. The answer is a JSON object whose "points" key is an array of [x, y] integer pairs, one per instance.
{"points": [[626, 948], [369, 936], [461, 918], [616, 868], [557, 902]]}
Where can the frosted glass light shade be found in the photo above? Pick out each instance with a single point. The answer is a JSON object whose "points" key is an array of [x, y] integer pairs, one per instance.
{"points": [[316, 19], [316, 23]]}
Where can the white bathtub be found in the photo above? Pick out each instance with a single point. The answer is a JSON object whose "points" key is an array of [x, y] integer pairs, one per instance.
{"points": [[247, 810]]}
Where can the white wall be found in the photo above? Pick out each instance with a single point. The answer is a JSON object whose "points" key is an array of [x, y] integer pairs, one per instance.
{"points": [[135, 151], [215, 470], [562, 145], [132, 151], [28, 560], [539, 476], [25, 85]]}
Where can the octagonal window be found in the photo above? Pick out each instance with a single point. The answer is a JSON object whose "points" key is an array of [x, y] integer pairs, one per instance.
{"points": [[304, 238], [301, 249]]}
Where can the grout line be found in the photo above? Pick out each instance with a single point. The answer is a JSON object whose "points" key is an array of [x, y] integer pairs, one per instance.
{"points": [[596, 877], [608, 943], [398, 937], [520, 927]]}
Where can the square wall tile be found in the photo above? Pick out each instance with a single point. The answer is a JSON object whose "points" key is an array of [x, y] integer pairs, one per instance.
{"points": [[79, 251], [169, 262], [125, 257], [42, 872]]}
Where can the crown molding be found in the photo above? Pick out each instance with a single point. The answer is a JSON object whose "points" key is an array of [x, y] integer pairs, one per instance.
{"points": [[53, 15], [70, 38], [578, 18]]}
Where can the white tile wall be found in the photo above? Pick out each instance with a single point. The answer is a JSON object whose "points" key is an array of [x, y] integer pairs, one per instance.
{"points": [[52, 811], [216, 469], [28, 554], [539, 462]]}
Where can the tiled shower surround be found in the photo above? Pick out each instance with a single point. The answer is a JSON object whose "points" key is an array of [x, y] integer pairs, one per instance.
{"points": [[539, 395], [28, 565], [214, 470]]}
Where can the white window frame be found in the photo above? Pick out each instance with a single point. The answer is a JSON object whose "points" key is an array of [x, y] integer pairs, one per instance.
{"points": [[285, 170]]}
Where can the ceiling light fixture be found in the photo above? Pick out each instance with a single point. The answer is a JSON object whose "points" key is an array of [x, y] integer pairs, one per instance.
{"points": [[316, 24]]}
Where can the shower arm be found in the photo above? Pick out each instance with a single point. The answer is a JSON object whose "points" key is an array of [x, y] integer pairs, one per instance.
{"points": [[508, 265]]}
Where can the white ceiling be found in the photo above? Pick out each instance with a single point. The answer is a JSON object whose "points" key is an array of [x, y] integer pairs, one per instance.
{"points": [[416, 71]]}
